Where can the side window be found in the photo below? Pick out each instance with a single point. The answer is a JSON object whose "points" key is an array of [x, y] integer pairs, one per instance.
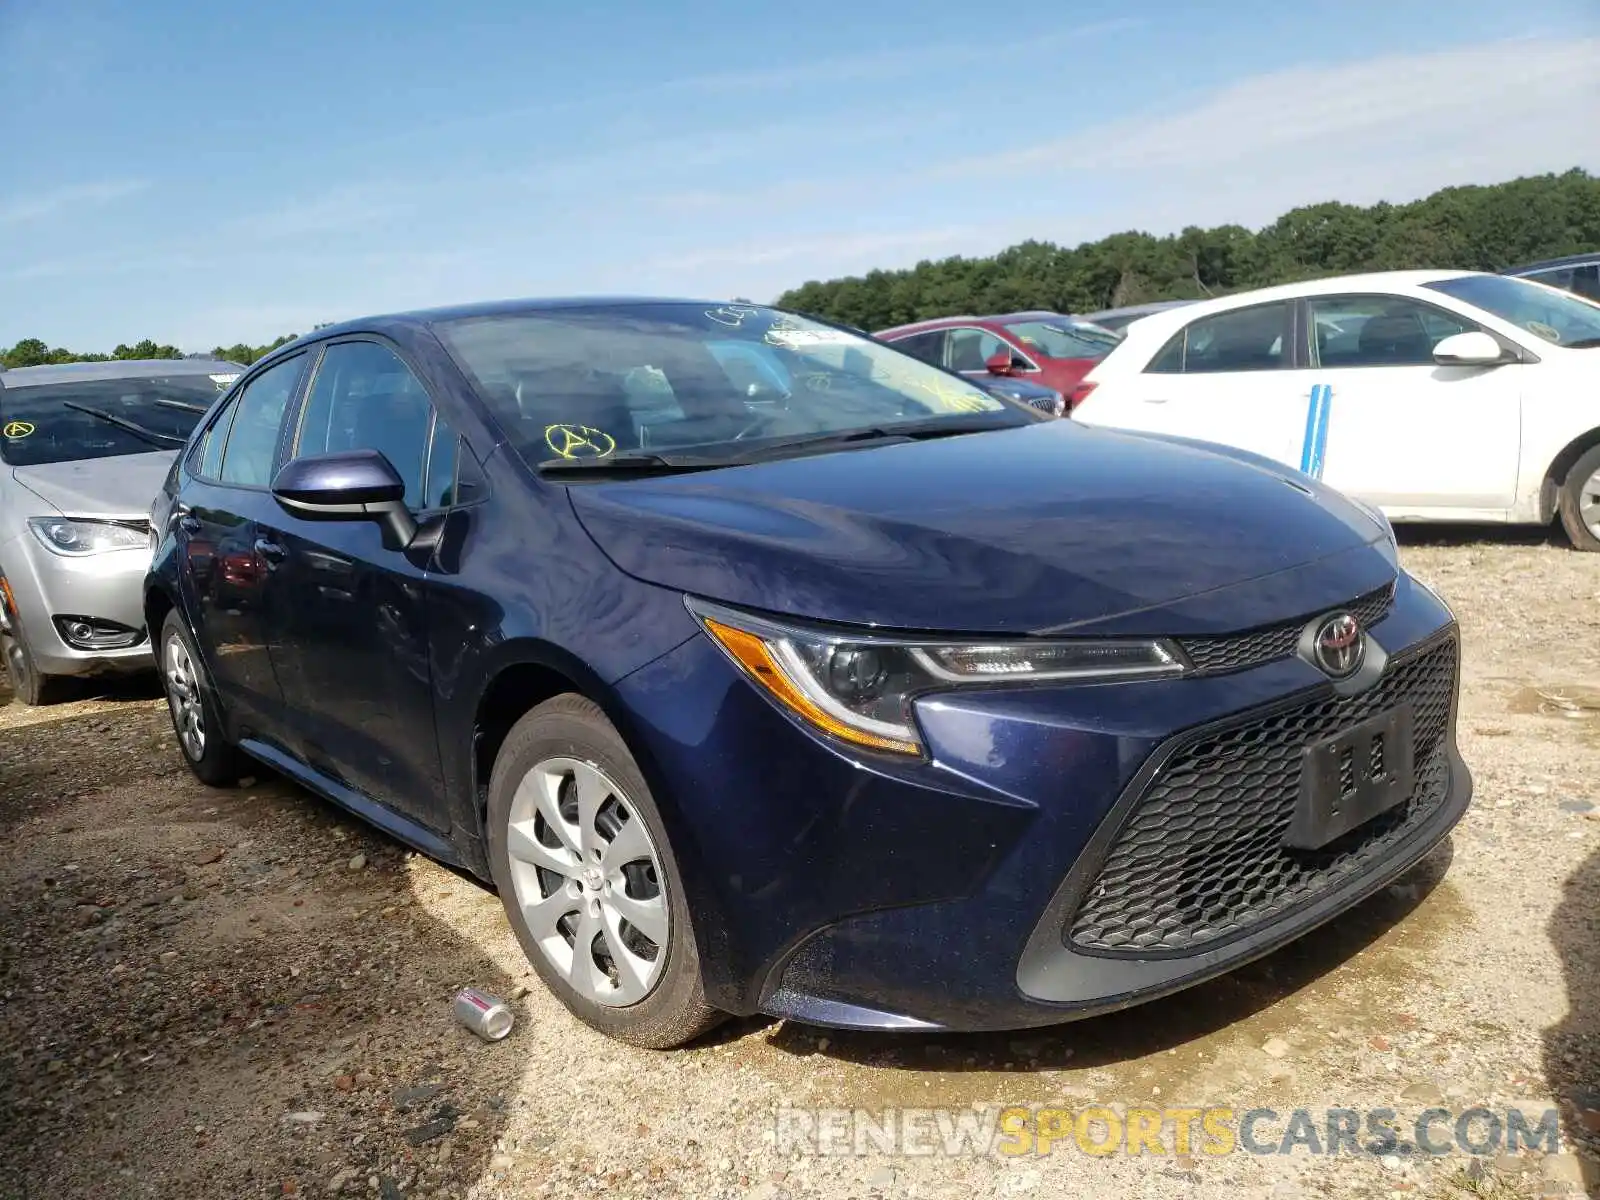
{"points": [[1560, 277], [252, 442], [207, 459], [1586, 281], [365, 398], [1170, 360], [1246, 339], [929, 347], [971, 348], [1378, 331]]}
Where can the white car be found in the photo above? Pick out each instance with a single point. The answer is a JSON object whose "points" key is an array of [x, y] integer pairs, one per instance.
{"points": [[1431, 395]]}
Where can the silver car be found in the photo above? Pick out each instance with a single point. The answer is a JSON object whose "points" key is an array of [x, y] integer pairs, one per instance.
{"points": [[84, 448]]}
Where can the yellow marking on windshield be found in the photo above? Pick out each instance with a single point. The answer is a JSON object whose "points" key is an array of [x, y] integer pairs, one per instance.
{"points": [[578, 441], [17, 430]]}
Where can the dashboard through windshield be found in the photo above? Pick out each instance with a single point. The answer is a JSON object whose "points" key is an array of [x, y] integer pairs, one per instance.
{"points": [[623, 380]]}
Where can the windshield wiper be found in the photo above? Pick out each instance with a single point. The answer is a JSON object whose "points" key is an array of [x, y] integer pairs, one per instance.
{"points": [[183, 406], [668, 464], [629, 464], [878, 435], [1587, 343], [133, 427]]}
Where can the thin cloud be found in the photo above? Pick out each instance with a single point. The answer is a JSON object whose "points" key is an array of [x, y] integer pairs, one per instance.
{"points": [[832, 247], [39, 205], [889, 63], [901, 60], [1523, 88]]}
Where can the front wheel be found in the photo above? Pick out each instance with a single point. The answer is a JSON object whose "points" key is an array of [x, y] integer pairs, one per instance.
{"points": [[1579, 502], [196, 715], [588, 878], [27, 684]]}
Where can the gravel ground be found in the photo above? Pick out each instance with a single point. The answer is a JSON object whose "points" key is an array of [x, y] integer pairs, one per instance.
{"points": [[246, 992]]}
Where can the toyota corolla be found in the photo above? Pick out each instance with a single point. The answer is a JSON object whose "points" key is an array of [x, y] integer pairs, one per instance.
{"points": [[762, 667]]}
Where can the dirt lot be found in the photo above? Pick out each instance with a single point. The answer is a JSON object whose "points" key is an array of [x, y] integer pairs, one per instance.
{"points": [[245, 993]]}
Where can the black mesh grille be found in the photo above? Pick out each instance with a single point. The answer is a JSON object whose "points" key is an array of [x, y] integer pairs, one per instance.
{"points": [[1236, 651], [1201, 858]]}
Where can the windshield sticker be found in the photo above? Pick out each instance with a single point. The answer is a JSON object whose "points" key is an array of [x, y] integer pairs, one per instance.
{"points": [[732, 315], [816, 381], [1549, 332], [794, 339], [578, 441], [223, 381], [17, 430]]}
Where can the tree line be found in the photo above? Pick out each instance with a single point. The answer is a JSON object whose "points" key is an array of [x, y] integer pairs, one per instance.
{"points": [[1484, 228], [31, 352]]}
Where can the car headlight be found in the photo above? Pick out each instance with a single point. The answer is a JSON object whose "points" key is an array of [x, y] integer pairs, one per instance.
{"points": [[860, 687], [65, 535]]}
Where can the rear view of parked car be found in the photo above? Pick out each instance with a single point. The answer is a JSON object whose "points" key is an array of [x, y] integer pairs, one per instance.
{"points": [[764, 668], [1042, 348], [83, 450]]}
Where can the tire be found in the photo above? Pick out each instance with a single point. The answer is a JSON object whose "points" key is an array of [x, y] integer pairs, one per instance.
{"points": [[27, 684], [1579, 502], [565, 759], [192, 704]]}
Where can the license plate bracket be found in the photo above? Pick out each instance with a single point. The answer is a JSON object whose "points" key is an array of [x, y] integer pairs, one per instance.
{"points": [[1352, 777]]}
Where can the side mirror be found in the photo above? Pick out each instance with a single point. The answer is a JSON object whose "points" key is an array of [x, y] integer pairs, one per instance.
{"points": [[350, 485], [998, 363], [1475, 349]]}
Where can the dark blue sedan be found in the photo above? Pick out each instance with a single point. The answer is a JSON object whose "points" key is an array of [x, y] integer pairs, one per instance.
{"points": [[765, 668]]}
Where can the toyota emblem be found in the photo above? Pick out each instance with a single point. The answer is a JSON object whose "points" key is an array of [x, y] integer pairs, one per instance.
{"points": [[1339, 646]]}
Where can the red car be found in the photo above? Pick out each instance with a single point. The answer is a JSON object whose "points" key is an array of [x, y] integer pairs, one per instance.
{"points": [[1041, 347]]}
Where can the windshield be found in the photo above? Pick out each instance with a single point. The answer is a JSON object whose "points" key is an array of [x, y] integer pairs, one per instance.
{"points": [[63, 422], [1064, 339], [579, 383], [1555, 316]]}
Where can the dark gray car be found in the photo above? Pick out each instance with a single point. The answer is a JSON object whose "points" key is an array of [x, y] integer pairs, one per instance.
{"points": [[84, 448]]}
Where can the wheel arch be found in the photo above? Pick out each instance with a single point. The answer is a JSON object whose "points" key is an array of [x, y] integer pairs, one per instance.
{"points": [[1556, 475]]}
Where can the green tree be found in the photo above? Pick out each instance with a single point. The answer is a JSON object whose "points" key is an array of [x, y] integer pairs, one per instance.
{"points": [[1471, 228]]}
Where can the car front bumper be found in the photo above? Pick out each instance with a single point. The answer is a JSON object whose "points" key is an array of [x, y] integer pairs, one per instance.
{"points": [[1053, 859], [106, 586]]}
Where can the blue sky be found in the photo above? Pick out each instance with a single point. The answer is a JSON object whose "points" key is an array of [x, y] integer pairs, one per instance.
{"points": [[170, 171]]}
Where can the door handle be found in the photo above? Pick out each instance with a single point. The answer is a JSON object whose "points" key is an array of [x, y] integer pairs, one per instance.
{"points": [[1155, 400], [271, 552]]}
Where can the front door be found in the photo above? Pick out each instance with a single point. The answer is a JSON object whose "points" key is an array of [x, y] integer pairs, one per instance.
{"points": [[217, 537], [1399, 430], [348, 616]]}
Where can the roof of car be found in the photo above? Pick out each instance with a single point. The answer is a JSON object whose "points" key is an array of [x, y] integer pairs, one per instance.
{"points": [[1380, 281], [1127, 309], [1566, 260], [136, 368], [502, 308], [990, 318]]}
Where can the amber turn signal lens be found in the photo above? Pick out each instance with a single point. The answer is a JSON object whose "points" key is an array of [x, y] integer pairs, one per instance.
{"points": [[751, 653]]}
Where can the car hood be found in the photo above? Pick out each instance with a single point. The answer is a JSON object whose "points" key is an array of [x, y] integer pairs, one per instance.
{"points": [[121, 486], [1041, 528]]}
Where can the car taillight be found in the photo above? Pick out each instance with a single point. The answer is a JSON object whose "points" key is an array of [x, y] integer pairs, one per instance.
{"points": [[1078, 394]]}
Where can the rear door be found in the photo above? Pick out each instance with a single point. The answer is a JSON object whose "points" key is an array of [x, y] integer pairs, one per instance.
{"points": [[1399, 430], [348, 617], [1231, 377], [217, 533]]}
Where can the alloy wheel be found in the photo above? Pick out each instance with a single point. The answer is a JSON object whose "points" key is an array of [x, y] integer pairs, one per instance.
{"points": [[1589, 503], [587, 877], [183, 697]]}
